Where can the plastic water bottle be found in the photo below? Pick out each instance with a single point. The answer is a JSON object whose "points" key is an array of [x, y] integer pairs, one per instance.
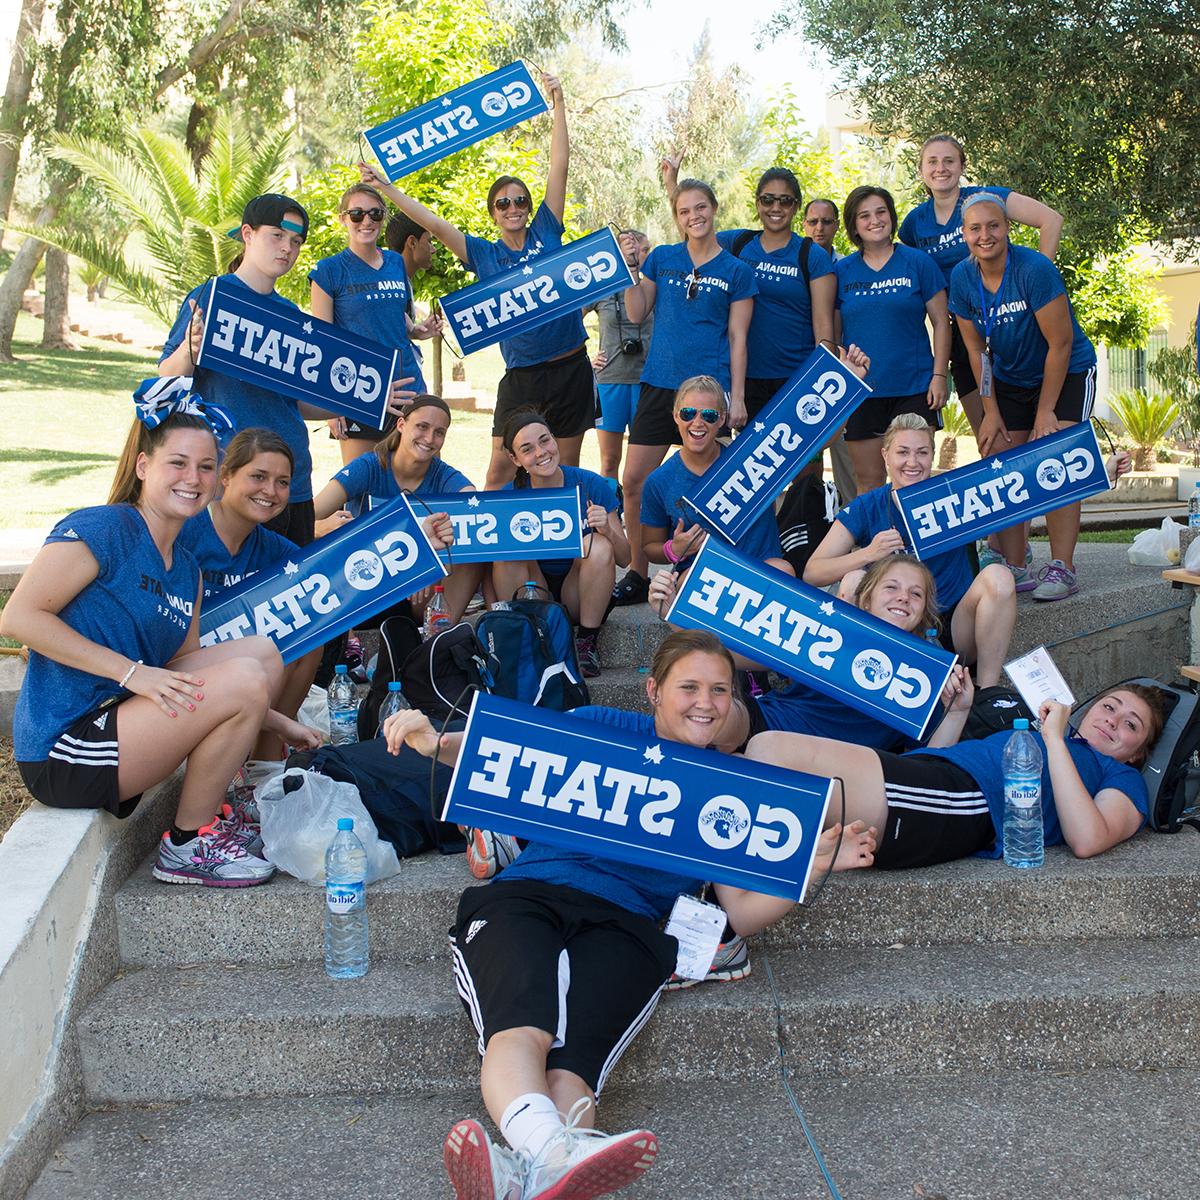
{"points": [[393, 702], [1194, 508], [529, 591], [931, 636], [343, 707], [346, 952], [1023, 837], [437, 615]]}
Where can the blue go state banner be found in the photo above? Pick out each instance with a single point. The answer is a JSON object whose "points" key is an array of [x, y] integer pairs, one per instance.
{"points": [[557, 778], [769, 454], [548, 286], [258, 340], [813, 637], [375, 561], [458, 119], [970, 502], [516, 526]]}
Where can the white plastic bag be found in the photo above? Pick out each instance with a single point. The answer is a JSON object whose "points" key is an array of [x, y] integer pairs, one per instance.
{"points": [[1191, 559], [315, 711], [297, 826], [1157, 547]]}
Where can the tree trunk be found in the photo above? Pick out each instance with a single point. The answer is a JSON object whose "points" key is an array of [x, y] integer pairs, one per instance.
{"points": [[14, 113], [948, 456], [1144, 458], [56, 318], [16, 280]]}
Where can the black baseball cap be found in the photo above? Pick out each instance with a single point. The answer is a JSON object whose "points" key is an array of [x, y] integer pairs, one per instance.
{"points": [[268, 209]]}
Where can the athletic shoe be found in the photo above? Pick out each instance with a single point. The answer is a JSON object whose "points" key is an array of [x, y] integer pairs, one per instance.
{"points": [[476, 604], [213, 858], [631, 588], [235, 821], [1028, 556], [480, 1170], [1023, 579], [989, 557], [1057, 582], [489, 853], [579, 1164], [587, 646], [731, 961]]}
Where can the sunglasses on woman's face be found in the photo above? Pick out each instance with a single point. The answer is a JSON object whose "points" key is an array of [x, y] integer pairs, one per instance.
{"points": [[356, 214], [768, 200], [710, 416], [504, 203]]}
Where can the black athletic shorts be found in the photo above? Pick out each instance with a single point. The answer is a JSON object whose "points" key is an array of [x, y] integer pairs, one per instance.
{"points": [[1018, 406], [583, 969], [562, 390], [654, 420], [872, 417], [936, 812], [368, 433], [960, 361], [759, 392], [81, 771], [297, 522]]}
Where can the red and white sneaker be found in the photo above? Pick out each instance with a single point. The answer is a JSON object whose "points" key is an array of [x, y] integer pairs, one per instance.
{"points": [[479, 1169]]}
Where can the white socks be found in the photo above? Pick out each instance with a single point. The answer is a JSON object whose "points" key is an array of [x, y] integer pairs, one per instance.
{"points": [[529, 1122]]}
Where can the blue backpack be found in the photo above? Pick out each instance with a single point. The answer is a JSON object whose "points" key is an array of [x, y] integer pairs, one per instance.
{"points": [[534, 644]]}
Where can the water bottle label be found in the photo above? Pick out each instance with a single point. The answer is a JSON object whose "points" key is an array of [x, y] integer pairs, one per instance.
{"points": [[345, 897], [1022, 794]]}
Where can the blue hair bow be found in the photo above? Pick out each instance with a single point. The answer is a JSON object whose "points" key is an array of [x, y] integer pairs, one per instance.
{"points": [[156, 399]]}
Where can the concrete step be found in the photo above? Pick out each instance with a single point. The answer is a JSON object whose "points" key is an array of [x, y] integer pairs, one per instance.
{"points": [[1123, 894], [986, 1136], [172, 1034]]}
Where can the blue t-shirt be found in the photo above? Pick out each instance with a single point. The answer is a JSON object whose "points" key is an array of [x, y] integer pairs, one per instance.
{"points": [[219, 569], [372, 303], [666, 484], [1018, 347], [248, 405], [875, 511], [781, 332], [135, 606], [367, 477], [801, 709], [883, 312], [943, 243], [691, 337], [593, 489], [641, 890], [983, 760], [555, 338]]}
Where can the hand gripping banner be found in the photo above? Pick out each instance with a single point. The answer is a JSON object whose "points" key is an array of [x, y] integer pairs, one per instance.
{"points": [[562, 779], [547, 286], [379, 559], [770, 452], [957, 508], [813, 637], [517, 526], [258, 340], [468, 114]]}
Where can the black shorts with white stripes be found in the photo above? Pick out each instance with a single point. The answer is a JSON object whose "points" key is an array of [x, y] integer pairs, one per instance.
{"points": [[936, 812], [81, 771], [586, 971], [1018, 406]]}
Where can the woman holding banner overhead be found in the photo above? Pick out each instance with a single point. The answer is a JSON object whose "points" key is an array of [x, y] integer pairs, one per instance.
{"points": [[407, 461], [1035, 368], [366, 289], [593, 960], [977, 614], [548, 367], [885, 293], [702, 299], [583, 585], [119, 691]]}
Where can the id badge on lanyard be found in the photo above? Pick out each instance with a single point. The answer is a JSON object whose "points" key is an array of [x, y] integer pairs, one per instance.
{"points": [[989, 323], [697, 927]]}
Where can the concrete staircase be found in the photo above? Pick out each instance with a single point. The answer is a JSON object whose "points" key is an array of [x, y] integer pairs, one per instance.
{"points": [[964, 1032]]}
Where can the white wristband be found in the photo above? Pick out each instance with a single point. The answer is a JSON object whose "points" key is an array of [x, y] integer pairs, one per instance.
{"points": [[129, 674]]}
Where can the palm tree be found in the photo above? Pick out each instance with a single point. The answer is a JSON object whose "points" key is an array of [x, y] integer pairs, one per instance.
{"points": [[181, 216], [954, 426], [1147, 420]]}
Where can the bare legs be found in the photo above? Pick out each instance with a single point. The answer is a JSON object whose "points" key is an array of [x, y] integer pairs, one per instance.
{"points": [[983, 622], [867, 459], [639, 462], [515, 1065]]}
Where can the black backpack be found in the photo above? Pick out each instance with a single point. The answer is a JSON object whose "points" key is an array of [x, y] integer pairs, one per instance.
{"points": [[805, 516], [398, 638], [533, 643], [744, 238]]}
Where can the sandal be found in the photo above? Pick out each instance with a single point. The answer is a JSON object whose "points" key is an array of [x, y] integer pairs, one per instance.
{"points": [[632, 588]]}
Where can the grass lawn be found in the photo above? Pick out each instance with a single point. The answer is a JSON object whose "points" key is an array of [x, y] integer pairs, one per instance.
{"points": [[66, 414]]}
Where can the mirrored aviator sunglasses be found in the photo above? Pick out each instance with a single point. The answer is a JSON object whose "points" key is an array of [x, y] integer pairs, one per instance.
{"points": [[710, 416], [504, 203], [356, 215]]}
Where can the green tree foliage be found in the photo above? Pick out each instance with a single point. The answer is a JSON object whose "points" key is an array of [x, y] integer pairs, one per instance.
{"points": [[1089, 105], [1115, 299], [180, 217], [1174, 370], [1146, 420]]}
